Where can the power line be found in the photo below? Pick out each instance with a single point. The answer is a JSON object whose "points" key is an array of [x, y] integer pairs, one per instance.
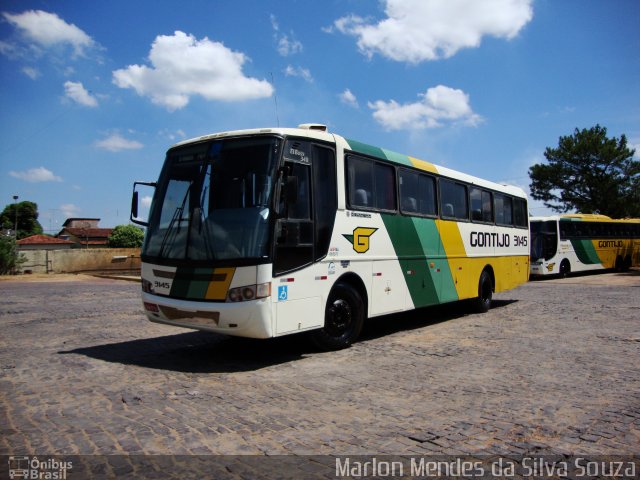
{"points": [[275, 99], [31, 135]]}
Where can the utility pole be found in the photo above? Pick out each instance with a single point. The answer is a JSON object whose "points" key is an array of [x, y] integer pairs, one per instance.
{"points": [[15, 235], [15, 207]]}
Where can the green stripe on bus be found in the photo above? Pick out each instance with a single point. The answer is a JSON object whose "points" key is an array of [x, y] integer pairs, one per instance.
{"points": [[378, 152], [585, 251], [198, 286], [435, 253], [397, 157], [191, 283], [417, 244], [365, 149], [180, 285]]}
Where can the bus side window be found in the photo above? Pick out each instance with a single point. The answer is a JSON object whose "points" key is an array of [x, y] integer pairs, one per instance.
{"points": [[301, 209], [360, 178], [504, 210], [520, 212], [454, 200], [371, 184], [417, 193], [385, 187], [476, 204], [481, 208]]}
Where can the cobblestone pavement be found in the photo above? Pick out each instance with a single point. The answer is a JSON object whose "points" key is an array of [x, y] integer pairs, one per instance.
{"points": [[552, 368]]}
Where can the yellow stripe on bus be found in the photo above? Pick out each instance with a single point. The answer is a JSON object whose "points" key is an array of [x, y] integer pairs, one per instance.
{"points": [[509, 271], [422, 165], [456, 256], [219, 285], [609, 250]]}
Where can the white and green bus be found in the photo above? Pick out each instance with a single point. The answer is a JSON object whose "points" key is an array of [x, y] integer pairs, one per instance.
{"points": [[561, 244], [269, 232]]}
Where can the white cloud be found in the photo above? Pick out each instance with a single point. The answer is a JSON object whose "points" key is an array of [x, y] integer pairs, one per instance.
{"points": [[69, 210], [76, 92], [286, 46], [46, 30], [117, 143], [437, 106], [419, 30], [145, 202], [8, 49], [182, 66], [172, 135], [349, 98], [32, 73], [35, 175], [303, 73]]}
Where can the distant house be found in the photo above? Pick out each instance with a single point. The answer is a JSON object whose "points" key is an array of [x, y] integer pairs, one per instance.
{"points": [[85, 233], [44, 242]]}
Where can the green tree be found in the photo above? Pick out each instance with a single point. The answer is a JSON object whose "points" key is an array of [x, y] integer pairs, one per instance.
{"points": [[126, 236], [9, 257], [589, 173], [27, 219]]}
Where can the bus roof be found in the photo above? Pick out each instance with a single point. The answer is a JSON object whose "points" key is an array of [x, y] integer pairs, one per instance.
{"points": [[586, 217], [319, 132]]}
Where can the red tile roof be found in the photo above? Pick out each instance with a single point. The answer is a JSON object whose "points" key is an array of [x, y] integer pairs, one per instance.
{"points": [[87, 232], [42, 240]]}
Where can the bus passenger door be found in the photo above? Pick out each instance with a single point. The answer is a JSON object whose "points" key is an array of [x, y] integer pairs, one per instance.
{"points": [[307, 210], [296, 308], [294, 228]]}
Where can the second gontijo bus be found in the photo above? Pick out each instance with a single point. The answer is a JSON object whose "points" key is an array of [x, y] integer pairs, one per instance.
{"points": [[263, 233], [561, 244]]}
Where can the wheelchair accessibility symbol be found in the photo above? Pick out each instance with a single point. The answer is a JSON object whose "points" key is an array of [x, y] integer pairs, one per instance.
{"points": [[283, 292]]}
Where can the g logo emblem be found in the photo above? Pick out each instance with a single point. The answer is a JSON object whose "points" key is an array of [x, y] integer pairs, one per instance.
{"points": [[360, 238]]}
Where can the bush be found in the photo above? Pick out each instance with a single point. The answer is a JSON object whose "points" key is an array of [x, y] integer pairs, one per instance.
{"points": [[9, 258], [126, 236]]}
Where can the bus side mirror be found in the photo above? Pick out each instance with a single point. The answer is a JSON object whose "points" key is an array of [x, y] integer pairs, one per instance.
{"points": [[135, 197], [134, 205]]}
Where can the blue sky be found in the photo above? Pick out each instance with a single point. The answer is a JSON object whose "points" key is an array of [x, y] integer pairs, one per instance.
{"points": [[93, 93]]}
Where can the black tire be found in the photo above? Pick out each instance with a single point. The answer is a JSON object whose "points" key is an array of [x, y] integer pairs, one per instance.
{"points": [[343, 319], [626, 265], [565, 268], [618, 265], [482, 303]]}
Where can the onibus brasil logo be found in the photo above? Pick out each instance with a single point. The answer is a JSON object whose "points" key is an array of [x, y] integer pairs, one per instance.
{"points": [[360, 238], [33, 468]]}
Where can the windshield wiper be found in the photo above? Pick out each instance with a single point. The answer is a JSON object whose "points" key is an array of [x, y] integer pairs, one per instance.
{"points": [[177, 217]]}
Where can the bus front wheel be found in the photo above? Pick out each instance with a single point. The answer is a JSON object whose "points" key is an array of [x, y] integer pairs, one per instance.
{"points": [[482, 304], [343, 319], [565, 268]]}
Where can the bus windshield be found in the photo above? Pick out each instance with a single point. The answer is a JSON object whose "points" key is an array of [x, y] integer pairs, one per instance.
{"points": [[544, 240], [213, 201]]}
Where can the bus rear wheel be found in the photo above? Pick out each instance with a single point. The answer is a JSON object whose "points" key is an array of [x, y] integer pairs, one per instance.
{"points": [[343, 319], [626, 264], [482, 303], [618, 265]]}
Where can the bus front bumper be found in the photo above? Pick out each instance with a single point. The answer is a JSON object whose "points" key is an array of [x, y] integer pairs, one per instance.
{"points": [[250, 319], [542, 268]]}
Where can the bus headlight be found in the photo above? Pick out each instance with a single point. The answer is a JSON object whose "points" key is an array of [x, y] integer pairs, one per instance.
{"points": [[249, 292]]}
